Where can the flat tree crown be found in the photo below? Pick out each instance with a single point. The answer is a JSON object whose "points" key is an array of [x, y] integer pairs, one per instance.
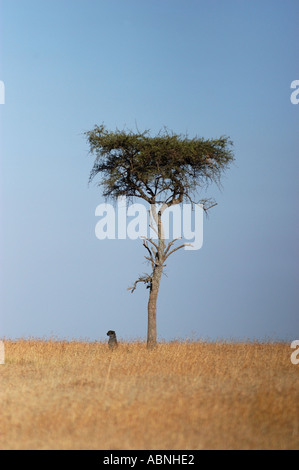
{"points": [[167, 168]]}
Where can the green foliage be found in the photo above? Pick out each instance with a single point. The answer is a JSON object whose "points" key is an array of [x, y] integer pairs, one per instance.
{"points": [[167, 168]]}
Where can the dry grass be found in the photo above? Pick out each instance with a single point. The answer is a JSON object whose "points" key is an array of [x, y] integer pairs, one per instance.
{"points": [[76, 395]]}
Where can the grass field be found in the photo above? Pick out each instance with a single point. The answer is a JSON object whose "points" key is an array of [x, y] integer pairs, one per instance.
{"points": [[80, 395]]}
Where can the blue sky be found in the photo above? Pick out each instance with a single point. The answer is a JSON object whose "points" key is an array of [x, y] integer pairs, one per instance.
{"points": [[209, 68]]}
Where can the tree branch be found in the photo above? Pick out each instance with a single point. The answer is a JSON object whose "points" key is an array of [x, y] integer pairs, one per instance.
{"points": [[151, 241], [170, 245], [151, 255], [175, 249], [146, 279]]}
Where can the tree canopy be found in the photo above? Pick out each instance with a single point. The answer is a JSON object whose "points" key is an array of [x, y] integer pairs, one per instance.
{"points": [[165, 169]]}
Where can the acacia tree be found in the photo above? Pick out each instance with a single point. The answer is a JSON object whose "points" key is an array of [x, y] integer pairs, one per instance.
{"points": [[164, 170]]}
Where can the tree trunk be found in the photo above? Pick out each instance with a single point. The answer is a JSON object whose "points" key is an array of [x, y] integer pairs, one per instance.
{"points": [[156, 279], [152, 308]]}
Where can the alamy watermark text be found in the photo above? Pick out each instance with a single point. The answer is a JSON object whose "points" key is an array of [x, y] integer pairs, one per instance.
{"points": [[295, 354], [135, 221], [295, 94]]}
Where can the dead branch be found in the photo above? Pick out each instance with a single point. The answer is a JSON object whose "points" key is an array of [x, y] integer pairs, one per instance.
{"points": [[170, 245], [176, 249], [151, 255], [151, 241], [146, 279]]}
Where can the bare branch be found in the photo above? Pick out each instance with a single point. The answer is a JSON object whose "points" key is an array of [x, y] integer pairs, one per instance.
{"points": [[151, 241], [178, 248], [151, 255], [170, 245], [146, 279], [206, 209], [151, 261], [147, 247]]}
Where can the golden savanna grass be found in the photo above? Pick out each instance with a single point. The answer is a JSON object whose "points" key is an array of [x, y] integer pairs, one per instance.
{"points": [[80, 395]]}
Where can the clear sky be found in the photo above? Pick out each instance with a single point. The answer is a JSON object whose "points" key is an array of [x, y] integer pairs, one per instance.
{"points": [[209, 68]]}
